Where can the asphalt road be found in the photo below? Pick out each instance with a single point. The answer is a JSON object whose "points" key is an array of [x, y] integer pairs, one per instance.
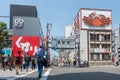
{"points": [[93, 73], [66, 73]]}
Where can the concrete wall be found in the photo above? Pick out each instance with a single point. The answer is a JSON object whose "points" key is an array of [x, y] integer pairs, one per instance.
{"points": [[83, 45]]}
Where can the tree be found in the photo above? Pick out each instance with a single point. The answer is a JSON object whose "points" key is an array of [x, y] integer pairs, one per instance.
{"points": [[3, 41], [3, 34]]}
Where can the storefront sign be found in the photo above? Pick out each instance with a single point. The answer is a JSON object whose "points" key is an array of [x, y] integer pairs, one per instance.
{"points": [[101, 50], [29, 43]]}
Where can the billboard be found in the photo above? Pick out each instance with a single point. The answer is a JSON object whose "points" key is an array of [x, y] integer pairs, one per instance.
{"points": [[7, 51], [96, 19], [29, 43]]}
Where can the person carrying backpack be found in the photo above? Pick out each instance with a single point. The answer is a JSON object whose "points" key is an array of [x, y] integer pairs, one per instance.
{"points": [[18, 61]]}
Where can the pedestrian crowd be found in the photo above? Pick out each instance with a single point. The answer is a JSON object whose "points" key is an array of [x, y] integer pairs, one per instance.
{"points": [[26, 61]]}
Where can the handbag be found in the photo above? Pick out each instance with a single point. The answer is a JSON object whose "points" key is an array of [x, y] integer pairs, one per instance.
{"points": [[42, 61]]}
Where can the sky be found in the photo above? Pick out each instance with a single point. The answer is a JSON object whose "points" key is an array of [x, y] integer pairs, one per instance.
{"points": [[61, 12]]}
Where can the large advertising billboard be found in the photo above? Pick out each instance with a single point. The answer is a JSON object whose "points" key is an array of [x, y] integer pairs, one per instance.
{"points": [[96, 19], [25, 43]]}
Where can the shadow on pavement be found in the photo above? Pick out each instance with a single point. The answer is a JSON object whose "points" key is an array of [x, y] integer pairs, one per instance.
{"points": [[85, 76]]}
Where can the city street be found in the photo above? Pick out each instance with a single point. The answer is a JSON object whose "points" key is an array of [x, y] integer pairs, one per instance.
{"points": [[92, 73], [67, 73]]}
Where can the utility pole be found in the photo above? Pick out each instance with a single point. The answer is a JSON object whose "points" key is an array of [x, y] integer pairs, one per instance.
{"points": [[78, 43], [47, 43]]}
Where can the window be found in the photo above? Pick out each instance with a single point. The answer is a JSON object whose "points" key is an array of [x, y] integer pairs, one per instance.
{"points": [[63, 42], [94, 37], [106, 56], [58, 42], [105, 45], [95, 56], [94, 45], [68, 42], [91, 37], [105, 37]]}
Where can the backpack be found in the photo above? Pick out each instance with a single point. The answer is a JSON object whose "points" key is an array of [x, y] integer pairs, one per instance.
{"points": [[27, 58], [8, 59], [17, 59]]}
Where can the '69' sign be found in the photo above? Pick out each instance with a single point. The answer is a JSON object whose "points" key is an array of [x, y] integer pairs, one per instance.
{"points": [[25, 43], [19, 22]]}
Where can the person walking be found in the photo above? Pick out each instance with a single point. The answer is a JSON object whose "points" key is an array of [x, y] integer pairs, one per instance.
{"points": [[18, 61], [27, 61], [74, 62], [8, 62], [40, 54], [33, 62]]}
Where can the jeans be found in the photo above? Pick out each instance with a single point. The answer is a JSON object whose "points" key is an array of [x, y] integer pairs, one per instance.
{"points": [[40, 68], [27, 65]]}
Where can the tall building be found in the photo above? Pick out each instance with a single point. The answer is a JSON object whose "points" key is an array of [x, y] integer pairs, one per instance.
{"points": [[68, 31], [27, 30], [21, 11], [116, 46], [95, 26]]}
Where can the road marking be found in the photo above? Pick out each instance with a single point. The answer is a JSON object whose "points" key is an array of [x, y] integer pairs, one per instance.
{"points": [[45, 75], [19, 76]]}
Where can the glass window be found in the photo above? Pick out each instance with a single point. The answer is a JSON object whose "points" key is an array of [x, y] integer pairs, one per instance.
{"points": [[95, 56], [63, 42], [94, 45], [91, 37], [68, 42], [58, 42], [106, 56]]}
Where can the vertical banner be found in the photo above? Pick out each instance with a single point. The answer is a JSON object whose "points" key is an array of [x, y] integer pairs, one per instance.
{"points": [[30, 43]]}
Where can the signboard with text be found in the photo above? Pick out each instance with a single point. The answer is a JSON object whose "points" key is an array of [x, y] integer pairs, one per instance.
{"points": [[29, 43]]}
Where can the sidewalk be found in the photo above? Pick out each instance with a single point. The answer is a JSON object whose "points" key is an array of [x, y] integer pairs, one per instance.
{"points": [[12, 74]]}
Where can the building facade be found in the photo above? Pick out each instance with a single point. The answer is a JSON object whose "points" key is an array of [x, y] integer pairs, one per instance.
{"points": [[68, 31], [95, 27], [116, 46]]}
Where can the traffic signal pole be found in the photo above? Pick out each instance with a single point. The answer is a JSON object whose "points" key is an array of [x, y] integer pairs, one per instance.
{"points": [[47, 44]]}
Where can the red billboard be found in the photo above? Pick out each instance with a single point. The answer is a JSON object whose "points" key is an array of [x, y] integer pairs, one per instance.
{"points": [[25, 43]]}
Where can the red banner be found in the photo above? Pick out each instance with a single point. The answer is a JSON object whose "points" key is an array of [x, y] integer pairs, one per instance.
{"points": [[25, 43]]}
